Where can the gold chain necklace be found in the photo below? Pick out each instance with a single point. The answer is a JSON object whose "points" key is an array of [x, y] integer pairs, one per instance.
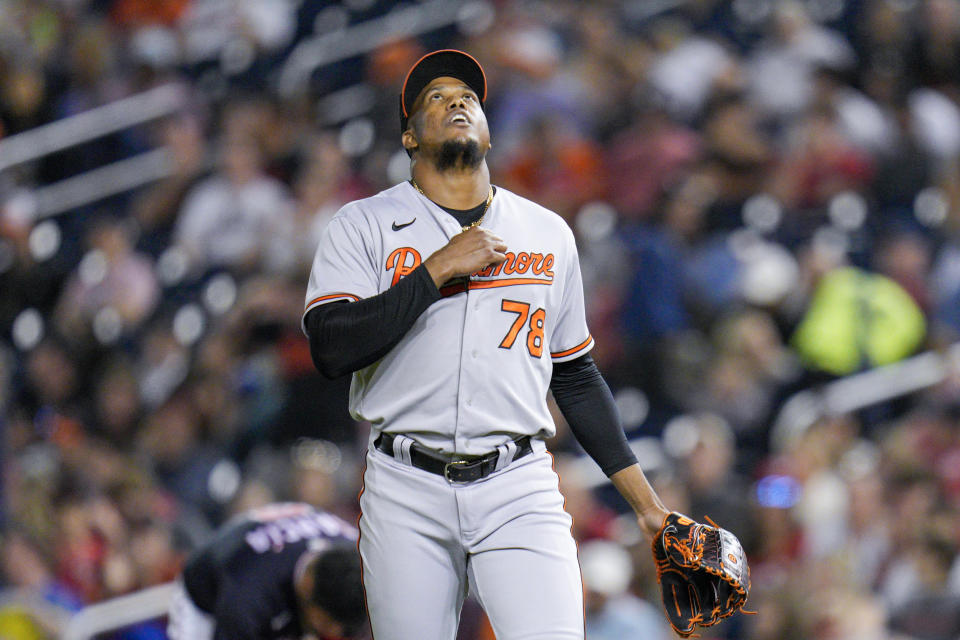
{"points": [[472, 224]]}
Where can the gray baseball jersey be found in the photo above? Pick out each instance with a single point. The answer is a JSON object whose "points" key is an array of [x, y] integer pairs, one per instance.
{"points": [[474, 369]]}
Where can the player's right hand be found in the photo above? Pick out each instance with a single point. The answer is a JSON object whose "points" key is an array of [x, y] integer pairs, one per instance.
{"points": [[467, 252]]}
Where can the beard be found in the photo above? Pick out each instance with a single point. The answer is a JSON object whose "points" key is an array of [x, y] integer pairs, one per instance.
{"points": [[459, 154]]}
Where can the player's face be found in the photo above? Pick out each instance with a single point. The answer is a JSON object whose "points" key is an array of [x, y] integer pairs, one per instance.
{"points": [[448, 110]]}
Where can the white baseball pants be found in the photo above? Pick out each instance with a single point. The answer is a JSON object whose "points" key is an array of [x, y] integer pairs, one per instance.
{"points": [[423, 541], [185, 621]]}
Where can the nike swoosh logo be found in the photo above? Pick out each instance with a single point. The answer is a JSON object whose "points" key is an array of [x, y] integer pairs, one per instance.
{"points": [[397, 227]]}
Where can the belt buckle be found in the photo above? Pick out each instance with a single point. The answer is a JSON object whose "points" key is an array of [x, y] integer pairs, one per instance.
{"points": [[455, 464]]}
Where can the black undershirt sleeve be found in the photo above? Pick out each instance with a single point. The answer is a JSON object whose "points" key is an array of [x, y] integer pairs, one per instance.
{"points": [[347, 336], [587, 404]]}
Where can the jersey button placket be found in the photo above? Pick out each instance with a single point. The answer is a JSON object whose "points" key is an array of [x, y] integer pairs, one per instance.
{"points": [[463, 386]]}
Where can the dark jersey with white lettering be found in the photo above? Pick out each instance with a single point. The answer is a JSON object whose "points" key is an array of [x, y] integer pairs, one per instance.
{"points": [[244, 576]]}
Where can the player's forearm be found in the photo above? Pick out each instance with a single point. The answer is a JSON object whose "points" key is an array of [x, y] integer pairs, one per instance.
{"points": [[633, 485], [440, 270], [345, 337]]}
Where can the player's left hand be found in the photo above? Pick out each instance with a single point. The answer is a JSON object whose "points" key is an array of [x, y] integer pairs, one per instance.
{"points": [[635, 488], [651, 519]]}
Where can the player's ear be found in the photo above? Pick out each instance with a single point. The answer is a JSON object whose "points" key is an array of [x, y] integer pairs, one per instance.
{"points": [[409, 140], [322, 622]]}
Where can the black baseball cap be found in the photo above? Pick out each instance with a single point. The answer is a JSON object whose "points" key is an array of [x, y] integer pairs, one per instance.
{"points": [[437, 64]]}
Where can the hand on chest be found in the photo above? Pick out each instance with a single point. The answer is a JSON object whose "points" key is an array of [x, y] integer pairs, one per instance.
{"points": [[510, 305], [529, 260]]}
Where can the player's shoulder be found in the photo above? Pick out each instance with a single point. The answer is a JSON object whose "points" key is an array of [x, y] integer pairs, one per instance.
{"points": [[534, 212], [529, 207], [376, 206]]}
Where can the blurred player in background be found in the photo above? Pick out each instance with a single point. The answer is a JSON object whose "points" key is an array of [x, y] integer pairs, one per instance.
{"points": [[279, 572]]}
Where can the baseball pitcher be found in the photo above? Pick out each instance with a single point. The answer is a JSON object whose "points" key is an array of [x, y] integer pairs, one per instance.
{"points": [[457, 305]]}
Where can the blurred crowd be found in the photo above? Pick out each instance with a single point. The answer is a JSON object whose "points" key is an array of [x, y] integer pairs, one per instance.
{"points": [[766, 198]]}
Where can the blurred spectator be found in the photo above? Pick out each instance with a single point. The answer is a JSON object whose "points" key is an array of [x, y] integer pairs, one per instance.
{"points": [[882, 41], [780, 541], [239, 218], [52, 378], [233, 33], [534, 82], [861, 121], [841, 612], [738, 155], [153, 554], [936, 44], [172, 439], [705, 445], [646, 159], [117, 404], [868, 538], [820, 163], [280, 395], [843, 331], [30, 279], [654, 307], [22, 98], [904, 169], [688, 69], [748, 375], [554, 165], [25, 566], [778, 615], [113, 290], [781, 68], [325, 183], [610, 66], [157, 208], [823, 503]]}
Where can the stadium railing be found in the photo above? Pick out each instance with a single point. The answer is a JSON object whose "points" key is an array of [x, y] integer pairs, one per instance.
{"points": [[859, 391], [805, 408], [117, 613]]}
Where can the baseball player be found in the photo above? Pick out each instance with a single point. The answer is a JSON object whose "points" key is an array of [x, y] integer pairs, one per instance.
{"points": [[277, 572], [457, 305]]}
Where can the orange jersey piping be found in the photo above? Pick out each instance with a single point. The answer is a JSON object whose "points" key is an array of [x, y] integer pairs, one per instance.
{"points": [[567, 352], [333, 296]]}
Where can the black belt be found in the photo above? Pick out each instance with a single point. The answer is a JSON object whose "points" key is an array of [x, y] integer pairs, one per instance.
{"points": [[453, 468]]}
